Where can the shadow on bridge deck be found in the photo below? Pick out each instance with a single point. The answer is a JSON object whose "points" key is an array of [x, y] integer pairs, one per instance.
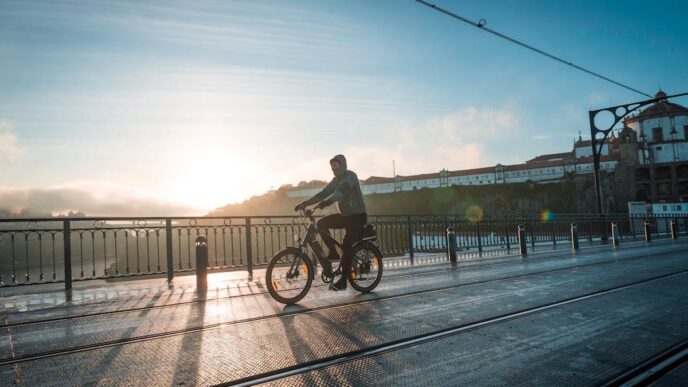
{"points": [[555, 316]]}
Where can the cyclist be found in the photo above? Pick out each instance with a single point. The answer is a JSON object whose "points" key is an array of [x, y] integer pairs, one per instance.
{"points": [[346, 191]]}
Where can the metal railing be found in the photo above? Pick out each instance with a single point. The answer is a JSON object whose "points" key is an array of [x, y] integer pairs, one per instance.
{"points": [[46, 250]]}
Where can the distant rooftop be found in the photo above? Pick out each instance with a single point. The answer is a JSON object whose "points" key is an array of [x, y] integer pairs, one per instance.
{"points": [[660, 108]]}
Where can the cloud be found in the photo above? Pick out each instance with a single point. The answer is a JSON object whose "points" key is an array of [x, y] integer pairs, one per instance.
{"points": [[94, 198], [596, 99], [452, 141], [475, 123], [241, 26], [9, 148]]}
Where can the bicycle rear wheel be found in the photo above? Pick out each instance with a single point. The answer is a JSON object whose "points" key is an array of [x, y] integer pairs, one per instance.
{"points": [[289, 276], [366, 267]]}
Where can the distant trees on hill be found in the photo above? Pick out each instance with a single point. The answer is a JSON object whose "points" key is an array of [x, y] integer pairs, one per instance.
{"points": [[29, 213], [568, 196]]}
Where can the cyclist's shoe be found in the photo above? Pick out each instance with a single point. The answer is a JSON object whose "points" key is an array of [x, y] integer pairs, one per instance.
{"points": [[333, 256], [338, 286]]}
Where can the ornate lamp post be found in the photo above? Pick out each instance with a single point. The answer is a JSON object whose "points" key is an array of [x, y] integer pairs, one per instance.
{"points": [[599, 135]]}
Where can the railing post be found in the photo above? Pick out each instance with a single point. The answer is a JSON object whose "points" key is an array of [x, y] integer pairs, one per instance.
{"points": [[480, 242], [574, 237], [532, 236], [674, 229], [615, 234], [168, 239], [506, 234], [67, 254], [523, 248], [451, 245], [410, 237], [654, 222], [648, 235], [249, 250], [201, 263], [604, 237]]}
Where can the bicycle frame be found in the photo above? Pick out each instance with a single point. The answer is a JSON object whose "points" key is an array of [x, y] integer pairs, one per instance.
{"points": [[310, 238], [311, 233]]}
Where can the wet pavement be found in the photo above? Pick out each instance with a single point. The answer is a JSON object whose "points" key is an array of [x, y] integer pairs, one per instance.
{"points": [[605, 310]]}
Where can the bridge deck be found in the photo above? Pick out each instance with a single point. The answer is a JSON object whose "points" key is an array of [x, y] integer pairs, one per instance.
{"points": [[553, 317]]}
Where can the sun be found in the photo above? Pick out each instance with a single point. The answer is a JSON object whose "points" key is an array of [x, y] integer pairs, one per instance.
{"points": [[210, 179]]}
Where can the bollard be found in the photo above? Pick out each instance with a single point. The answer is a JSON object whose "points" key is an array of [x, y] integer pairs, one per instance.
{"points": [[201, 263], [674, 229], [451, 245], [615, 234], [574, 237], [522, 239], [648, 235]]}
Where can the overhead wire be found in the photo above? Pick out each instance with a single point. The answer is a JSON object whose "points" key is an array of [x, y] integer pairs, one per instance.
{"points": [[481, 25]]}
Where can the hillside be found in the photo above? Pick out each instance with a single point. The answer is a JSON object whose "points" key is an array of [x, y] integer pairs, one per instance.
{"points": [[522, 198]]}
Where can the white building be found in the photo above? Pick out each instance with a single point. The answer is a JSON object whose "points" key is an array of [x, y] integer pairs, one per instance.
{"points": [[663, 128], [661, 132], [542, 169]]}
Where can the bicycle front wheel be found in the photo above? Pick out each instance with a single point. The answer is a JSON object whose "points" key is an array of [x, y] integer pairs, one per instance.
{"points": [[289, 276], [366, 267]]}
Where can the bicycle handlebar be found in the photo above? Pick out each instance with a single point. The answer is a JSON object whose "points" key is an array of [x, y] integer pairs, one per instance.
{"points": [[308, 213]]}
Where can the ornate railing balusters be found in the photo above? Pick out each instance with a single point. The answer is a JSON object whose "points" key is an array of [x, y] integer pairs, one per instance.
{"points": [[114, 232], [81, 255], [138, 251], [214, 245], [224, 246], [179, 249], [157, 247], [106, 269], [148, 267], [126, 239], [93, 253], [52, 238], [231, 244], [241, 251], [14, 270], [188, 244]]}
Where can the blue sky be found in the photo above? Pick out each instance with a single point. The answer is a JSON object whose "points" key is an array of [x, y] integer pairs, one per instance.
{"points": [[184, 106]]}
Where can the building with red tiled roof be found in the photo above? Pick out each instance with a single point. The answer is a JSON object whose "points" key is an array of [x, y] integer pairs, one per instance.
{"points": [[660, 109], [552, 156], [378, 180], [542, 169]]}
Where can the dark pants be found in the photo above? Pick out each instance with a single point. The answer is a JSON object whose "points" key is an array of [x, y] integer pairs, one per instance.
{"points": [[353, 225]]}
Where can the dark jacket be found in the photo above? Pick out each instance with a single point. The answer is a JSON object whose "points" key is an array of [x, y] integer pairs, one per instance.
{"points": [[344, 189]]}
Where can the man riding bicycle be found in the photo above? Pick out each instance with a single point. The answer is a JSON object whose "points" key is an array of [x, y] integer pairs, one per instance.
{"points": [[346, 191]]}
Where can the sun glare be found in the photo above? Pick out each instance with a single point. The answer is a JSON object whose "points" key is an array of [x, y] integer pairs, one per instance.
{"points": [[210, 179]]}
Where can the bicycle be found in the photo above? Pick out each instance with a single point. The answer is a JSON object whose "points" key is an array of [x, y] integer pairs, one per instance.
{"points": [[290, 273]]}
